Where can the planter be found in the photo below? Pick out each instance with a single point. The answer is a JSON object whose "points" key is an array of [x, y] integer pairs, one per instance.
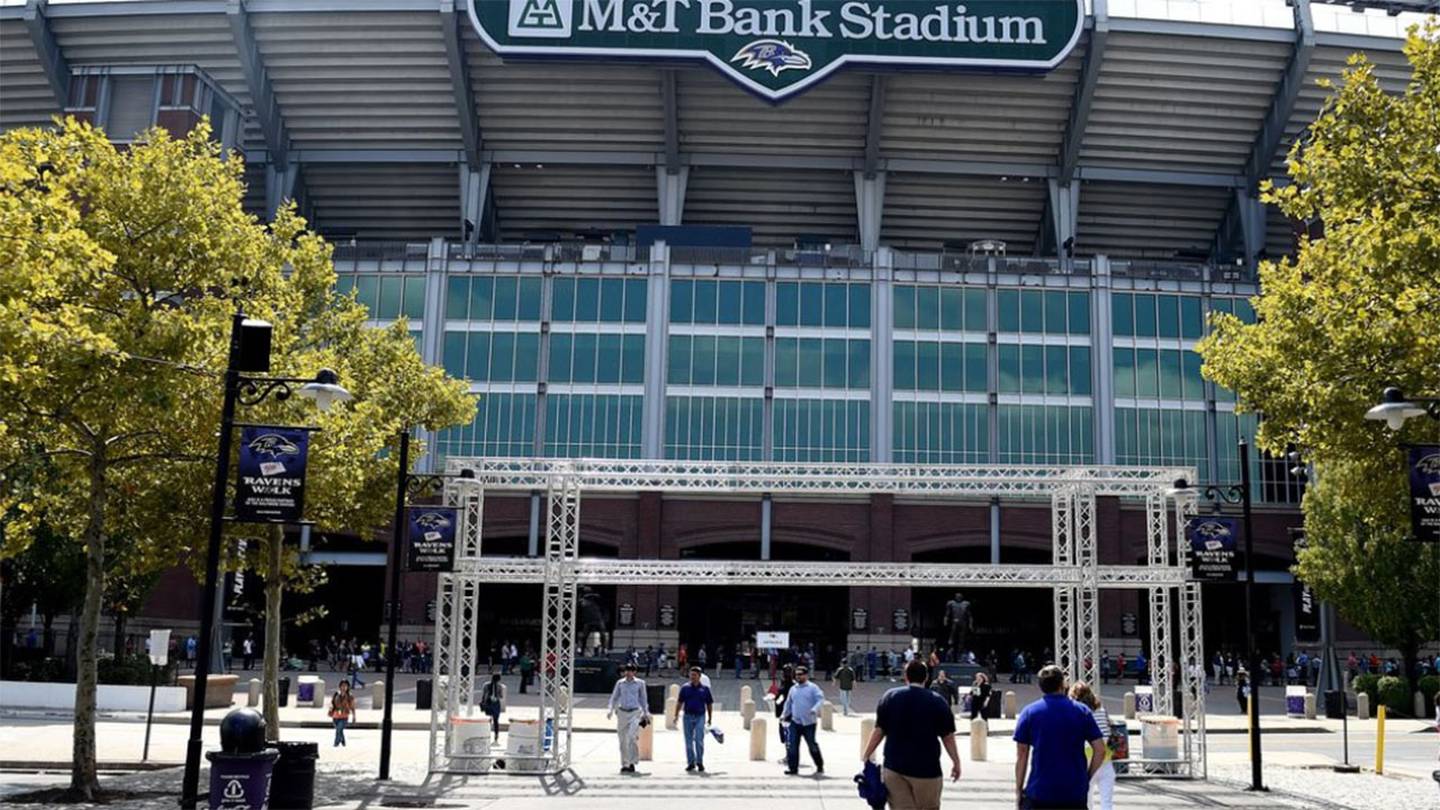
{"points": [[219, 690], [108, 697]]}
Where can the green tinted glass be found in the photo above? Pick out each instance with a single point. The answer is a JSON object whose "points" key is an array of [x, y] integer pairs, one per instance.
{"points": [[904, 370], [583, 368], [811, 360], [506, 290], [976, 377], [391, 289], [1167, 324], [562, 347], [1144, 315], [753, 303], [1009, 356], [678, 360], [457, 298], [682, 301], [529, 304], [727, 361], [787, 303], [1032, 311], [952, 367], [1192, 324], [636, 294], [1009, 304], [482, 298], [752, 361], [587, 299], [609, 356], [1122, 314], [730, 302], [1124, 372], [1056, 307], [632, 365], [812, 304], [454, 354], [527, 356], [859, 365], [786, 362], [705, 297], [927, 365], [1057, 368], [836, 361], [927, 307], [904, 307], [860, 306], [1147, 373], [702, 371], [477, 357], [1032, 369], [502, 357], [1079, 305], [612, 300]]}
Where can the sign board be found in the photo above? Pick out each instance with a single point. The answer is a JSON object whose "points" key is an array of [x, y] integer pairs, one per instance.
{"points": [[430, 537], [900, 620], [1307, 606], [626, 615], [859, 619], [159, 647], [1424, 465], [1211, 548], [778, 48], [270, 486], [1128, 624], [772, 639], [667, 615]]}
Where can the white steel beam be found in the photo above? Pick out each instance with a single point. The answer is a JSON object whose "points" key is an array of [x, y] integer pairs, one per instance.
{"points": [[262, 94], [52, 60], [1085, 92], [450, 27]]}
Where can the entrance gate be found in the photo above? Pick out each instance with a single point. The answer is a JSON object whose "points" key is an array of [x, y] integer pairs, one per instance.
{"points": [[1074, 577]]}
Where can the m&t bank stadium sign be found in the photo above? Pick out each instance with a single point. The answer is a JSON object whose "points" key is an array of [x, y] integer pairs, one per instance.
{"points": [[777, 48]]}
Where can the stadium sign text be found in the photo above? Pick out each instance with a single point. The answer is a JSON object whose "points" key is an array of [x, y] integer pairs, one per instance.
{"points": [[777, 48]]}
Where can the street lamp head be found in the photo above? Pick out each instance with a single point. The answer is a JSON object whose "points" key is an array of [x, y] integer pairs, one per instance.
{"points": [[325, 390], [467, 472], [1394, 409], [1181, 490]]}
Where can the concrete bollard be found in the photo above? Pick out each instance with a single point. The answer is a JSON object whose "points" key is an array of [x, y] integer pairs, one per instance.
{"points": [[1129, 705], [746, 694], [979, 740], [758, 737], [320, 694], [747, 713], [670, 704], [377, 695], [1011, 705], [647, 743], [1419, 705], [867, 727], [673, 692], [827, 716], [1309, 705], [1362, 706], [253, 699]]}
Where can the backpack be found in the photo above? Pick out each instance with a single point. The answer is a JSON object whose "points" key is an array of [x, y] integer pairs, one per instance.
{"points": [[871, 787]]}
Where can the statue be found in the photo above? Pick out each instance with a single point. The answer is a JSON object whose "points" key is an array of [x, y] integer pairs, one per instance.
{"points": [[593, 620], [960, 622]]}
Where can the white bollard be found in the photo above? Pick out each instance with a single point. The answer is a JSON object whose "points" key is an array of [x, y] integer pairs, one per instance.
{"points": [[746, 694], [1129, 705], [320, 695], [1011, 705], [647, 742], [1310, 706], [747, 713], [670, 704], [253, 699], [979, 740], [377, 695], [867, 727], [757, 739], [673, 691], [1362, 706], [827, 716]]}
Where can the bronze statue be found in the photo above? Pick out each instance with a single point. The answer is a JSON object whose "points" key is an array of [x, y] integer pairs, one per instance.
{"points": [[961, 622], [593, 619]]}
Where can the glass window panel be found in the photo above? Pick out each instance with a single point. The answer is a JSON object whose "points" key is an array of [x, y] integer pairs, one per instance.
{"points": [[679, 360], [859, 372], [952, 367], [1032, 369], [454, 354], [836, 361], [482, 298], [836, 309], [636, 295], [752, 361], [812, 304], [1244, 311], [1170, 386], [1055, 308], [1122, 313], [904, 307], [587, 299], [583, 368], [345, 283], [502, 357], [705, 296], [505, 292], [1057, 369], [787, 303], [904, 365], [632, 365], [457, 298], [786, 362], [727, 361], [730, 305], [608, 360], [1193, 382], [1147, 373], [1009, 304], [1167, 316], [927, 307], [477, 357], [391, 288], [562, 299], [860, 306], [1192, 323], [811, 360], [1144, 315], [703, 370], [952, 309], [1079, 305], [976, 376], [612, 300], [1032, 311], [1009, 368], [561, 349], [753, 303], [927, 366], [682, 301], [1080, 370], [527, 356], [975, 318], [529, 307], [1124, 372]]}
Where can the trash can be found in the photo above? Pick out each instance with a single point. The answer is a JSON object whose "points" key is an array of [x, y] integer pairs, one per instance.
{"points": [[655, 698], [240, 780], [284, 686], [1334, 704], [292, 785], [424, 693]]}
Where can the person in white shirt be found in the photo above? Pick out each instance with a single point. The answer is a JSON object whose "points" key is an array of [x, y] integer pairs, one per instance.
{"points": [[1104, 778], [631, 710]]}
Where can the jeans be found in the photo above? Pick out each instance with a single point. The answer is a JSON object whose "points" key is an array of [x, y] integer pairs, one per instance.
{"points": [[694, 728], [845, 702], [792, 747], [340, 730]]}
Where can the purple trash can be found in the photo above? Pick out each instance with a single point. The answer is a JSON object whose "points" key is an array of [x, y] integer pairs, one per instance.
{"points": [[305, 692], [240, 781]]}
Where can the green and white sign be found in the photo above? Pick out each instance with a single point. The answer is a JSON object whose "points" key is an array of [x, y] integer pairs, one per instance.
{"points": [[777, 48]]}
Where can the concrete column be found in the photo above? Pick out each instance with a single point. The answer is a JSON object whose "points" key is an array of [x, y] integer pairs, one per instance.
{"points": [[870, 207], [992, 368], [670, 185], [758, 739], [657, 317], [994, 531], [474, 189], [533, 547], [882, 358], [279, 187], [432, 332], [1252, 224], [979, 740], [1064, 212], [1102, 361], [766, 510]]}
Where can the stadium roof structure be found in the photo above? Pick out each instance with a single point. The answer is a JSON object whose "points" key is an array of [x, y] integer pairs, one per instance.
{"points": [[1166, 113]]}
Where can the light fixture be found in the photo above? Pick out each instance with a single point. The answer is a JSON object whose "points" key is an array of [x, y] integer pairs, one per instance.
{"points": [[1394, 409], [325, 390], [1181, 489]]}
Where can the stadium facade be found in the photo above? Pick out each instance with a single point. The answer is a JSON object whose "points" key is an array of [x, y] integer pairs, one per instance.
{"points": [[633, 254]]}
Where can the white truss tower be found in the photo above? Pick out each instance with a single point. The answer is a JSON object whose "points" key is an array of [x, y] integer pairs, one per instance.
{"points": [[1075, 577]]}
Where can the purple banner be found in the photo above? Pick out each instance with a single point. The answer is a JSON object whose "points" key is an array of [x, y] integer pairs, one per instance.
{"points": [[271, 485], [1425, 492], [1212, 548]]}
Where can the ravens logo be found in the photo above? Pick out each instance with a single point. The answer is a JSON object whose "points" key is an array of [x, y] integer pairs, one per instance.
{"points": [[1212, 529], [772, 55], [273, 444], [432, 520], [1429, 465]]}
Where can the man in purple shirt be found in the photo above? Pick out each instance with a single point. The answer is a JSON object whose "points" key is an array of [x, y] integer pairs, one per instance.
{"points": [[1055, 729], [699, 708]]}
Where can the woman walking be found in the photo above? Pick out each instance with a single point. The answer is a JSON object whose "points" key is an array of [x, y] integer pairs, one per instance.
{"points": [[979, 695], [342, 711], [1105, 777], [492, 702]]}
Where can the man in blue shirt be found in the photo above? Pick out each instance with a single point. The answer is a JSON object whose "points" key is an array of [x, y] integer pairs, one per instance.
{"points": [[699, 708], [802, 710], [913, 721], [1056, 729]]}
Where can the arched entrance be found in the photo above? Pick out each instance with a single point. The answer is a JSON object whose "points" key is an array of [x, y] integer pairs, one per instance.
{"points": [[1006, 620]]}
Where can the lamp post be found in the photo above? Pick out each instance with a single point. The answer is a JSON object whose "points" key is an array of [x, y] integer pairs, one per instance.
{"points": [[249, 353], [1395, 408], [1233, 494], [407, 485]]}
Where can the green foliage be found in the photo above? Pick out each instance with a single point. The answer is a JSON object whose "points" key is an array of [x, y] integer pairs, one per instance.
{"points": [[1352, 313], [133, 670], [40, 670], [1396, 695], [1367, 685], [1429, 686]]}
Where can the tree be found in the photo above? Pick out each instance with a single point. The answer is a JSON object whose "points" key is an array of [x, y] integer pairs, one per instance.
{"points": [[1353, 312], [123, 269]]}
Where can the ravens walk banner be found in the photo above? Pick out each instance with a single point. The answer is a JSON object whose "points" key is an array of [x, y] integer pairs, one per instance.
{"points": [[1211, 548], [777, 48], [271, 483], [1424, 464], [431, 537], [1307, 606]]}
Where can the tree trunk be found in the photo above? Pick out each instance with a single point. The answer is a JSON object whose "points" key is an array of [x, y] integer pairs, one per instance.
{"points": [[119, 643], [48, 634], [83, 780], [274, 588]]}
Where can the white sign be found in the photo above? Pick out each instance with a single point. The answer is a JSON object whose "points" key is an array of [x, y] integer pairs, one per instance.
{"points": [[773, 639], [159, 647]]}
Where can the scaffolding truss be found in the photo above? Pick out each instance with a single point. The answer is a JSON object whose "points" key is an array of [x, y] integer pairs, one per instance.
{"points": [[1075, 576]]}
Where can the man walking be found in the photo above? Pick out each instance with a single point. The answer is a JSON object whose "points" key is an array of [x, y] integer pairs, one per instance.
{"points": [[914, 722], [845, 679], [630, 709], [1056, 729], [802, 709], [699, 708]]}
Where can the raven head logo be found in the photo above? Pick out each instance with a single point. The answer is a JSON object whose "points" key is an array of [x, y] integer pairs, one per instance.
{"points": [[772, 55], [1211, 529], [273, 445], [432, 520], [1429, 465]]}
